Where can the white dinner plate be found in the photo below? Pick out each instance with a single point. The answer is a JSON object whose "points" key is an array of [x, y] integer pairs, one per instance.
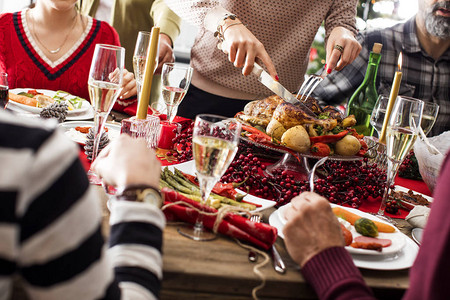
{"points": [[189, 168], [85, 105], [398, 239], [403, 259], [80, 138]]}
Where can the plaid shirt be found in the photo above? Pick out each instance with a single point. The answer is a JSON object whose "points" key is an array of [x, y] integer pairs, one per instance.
{"points": [[423, 77]]}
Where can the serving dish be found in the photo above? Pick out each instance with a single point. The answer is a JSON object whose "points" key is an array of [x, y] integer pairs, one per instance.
{"points": [[189, 168]]}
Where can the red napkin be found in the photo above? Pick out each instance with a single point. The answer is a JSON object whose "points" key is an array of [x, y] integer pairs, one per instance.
{"points": [[259, 234]]}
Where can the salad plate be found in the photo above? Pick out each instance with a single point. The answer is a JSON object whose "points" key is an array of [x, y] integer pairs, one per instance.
{"points": [[79, 137], [189, 168], [81, 105]]}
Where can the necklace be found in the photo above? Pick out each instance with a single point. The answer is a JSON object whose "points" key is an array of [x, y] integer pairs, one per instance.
{"points": [[62, 44]]}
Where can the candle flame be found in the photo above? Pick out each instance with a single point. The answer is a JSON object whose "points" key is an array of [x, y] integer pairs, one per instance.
{"points": [[399, 63]]}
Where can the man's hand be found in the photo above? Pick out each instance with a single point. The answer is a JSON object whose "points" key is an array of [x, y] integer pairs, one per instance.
{"points": [[128, 161], [165, 52], [311, 227], [336, 59]]}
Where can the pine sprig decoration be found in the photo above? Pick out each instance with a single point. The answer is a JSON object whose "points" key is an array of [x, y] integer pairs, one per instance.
{"points": [[57, 110], [89, 145]]}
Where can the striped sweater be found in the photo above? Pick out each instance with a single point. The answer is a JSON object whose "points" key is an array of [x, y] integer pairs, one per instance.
{"points": [[50, 224]]}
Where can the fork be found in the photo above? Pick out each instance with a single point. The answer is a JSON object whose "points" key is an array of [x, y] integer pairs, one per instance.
{"points": [[309, 85], [278, 262], [311, 176]]}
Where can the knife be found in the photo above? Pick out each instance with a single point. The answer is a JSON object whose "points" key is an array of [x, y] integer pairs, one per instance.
{"points": [[278, 89]]}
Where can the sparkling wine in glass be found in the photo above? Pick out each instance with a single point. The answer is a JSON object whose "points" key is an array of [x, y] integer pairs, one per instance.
{"points": [[4, 90], [215, 141], [401, 133], [378, 113], [429, 115], [104, 84], [175, 83], [140, 57]]}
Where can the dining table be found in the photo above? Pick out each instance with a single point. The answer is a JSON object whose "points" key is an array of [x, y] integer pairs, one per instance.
{"points": [[220, 269]]}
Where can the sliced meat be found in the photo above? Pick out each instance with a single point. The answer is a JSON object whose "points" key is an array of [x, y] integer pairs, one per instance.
{"points": [[367, 240], [368, 246]]}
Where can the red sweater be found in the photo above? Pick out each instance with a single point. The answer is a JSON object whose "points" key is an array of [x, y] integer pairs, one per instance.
{"points": [[333, 275], [27, 66]]}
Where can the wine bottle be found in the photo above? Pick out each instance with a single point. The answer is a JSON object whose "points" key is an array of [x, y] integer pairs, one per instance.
{"points": [[363, 100]]}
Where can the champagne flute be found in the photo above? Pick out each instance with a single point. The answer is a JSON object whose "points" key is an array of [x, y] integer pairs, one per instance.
{"points": [[401, 133], [429, 115], [139, 58], [175, 83], [378, 113], [104, 84], [215, 142]]}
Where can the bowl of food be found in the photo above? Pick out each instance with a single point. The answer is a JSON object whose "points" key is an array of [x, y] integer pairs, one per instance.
{"points": [[430, 162]]}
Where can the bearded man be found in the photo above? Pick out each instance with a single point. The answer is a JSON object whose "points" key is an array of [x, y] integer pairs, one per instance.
{"points": [[424, 42]]}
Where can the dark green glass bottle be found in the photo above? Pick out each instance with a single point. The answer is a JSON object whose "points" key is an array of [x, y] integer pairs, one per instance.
{"points": [[364, 98]]}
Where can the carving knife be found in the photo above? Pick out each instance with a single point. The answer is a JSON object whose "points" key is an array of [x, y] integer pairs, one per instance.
{"points": [[278, 89]]}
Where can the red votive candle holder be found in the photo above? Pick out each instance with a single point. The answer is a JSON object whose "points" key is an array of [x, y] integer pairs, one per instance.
{"points": [[168, 132]]}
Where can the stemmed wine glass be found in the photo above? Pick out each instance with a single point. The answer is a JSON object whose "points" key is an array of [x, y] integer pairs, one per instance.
{"points": [[175, 83], [140, 57], [401, 133], [429, 115], [104, 84], [215, 142], [378, 113]]}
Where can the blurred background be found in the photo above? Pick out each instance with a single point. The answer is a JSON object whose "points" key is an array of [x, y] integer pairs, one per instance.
{"points": [[370, 14]]}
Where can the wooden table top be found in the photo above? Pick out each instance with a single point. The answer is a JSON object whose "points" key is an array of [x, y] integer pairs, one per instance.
{"points": [[220, 269]]}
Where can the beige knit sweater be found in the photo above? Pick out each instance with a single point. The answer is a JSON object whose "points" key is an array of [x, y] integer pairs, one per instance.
{"points": [[285, 27]]}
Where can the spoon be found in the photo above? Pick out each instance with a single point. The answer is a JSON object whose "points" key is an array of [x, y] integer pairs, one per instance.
{"points": [[311, 176], [431, 148]]}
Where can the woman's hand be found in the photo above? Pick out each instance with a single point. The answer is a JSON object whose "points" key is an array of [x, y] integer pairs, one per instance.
{"points": [[311, 227], [165, 52], [129, 88], [243, 48], [335, 58]]}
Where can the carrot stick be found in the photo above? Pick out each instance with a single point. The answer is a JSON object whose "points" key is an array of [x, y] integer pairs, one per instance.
{"points": [[23, 99], [351, 218]]}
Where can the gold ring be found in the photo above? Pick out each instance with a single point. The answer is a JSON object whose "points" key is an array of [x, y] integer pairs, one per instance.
{"points": [[339, 47]]}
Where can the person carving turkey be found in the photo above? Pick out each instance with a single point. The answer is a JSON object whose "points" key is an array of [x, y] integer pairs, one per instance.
{"points": [[277, 34]]}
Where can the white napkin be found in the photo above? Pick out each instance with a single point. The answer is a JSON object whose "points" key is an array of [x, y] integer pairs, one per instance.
{"points": [[418, 216]]}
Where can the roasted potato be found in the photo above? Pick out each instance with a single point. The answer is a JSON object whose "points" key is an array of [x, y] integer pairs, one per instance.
{"points": [[347, 146], [349, 121], [297, 139], [275, 129]]}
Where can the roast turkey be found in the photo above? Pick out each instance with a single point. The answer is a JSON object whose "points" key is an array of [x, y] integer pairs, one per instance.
{"points": [[260, 112]]}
